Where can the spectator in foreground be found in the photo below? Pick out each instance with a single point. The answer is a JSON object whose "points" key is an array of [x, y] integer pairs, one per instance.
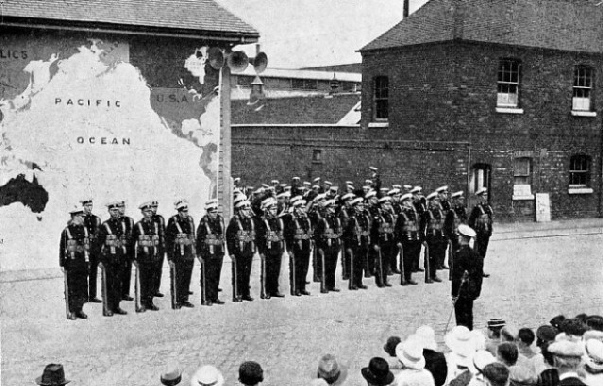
{"points": [[545, 335], [593, 362], [496, 374], [53, 375], [410, 354], [481, 359], [493, 334], [377, 373], [461, 343], [435, 362], [525, 339], [172, 376], [207, 375], [390, 349], [507, 354], [331, 371], [250, 373], [567, 358]]}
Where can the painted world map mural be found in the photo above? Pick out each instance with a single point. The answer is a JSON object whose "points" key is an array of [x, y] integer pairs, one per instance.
{"points": [[78, 120]]}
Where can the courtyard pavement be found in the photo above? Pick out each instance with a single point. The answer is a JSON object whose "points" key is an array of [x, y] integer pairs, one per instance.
{"points": [[537, 271]]}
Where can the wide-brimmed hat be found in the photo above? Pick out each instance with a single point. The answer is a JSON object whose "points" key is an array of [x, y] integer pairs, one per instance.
{"points": [[331, 371], [250, 373], [481, 359], [207, 376], [461, 342], [378, 373], [566, 348], [53, 375], [426, 335], [410, 353], [593, 358], [466, 230]]}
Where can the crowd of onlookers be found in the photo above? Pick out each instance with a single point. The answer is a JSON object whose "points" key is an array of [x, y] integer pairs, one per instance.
{"points": [[565, 352]]}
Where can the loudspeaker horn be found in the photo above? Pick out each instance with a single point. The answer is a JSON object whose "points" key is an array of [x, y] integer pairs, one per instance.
{"points": [[259, 62], [237, 61], [215, 58]]}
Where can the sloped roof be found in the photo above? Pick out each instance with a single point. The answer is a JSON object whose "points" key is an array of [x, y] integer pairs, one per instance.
{"points": [[304, 74], [190, 15], [567, 25], [296, 110]]}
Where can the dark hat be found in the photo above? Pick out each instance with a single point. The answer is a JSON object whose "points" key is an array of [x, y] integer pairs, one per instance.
{"points": [[496, 323], [377, 372], [556, 321], [330, 370], [251, 373], [172, 376], [573, 327], [390, 345], [595, 322], [546, 333], [53, 375]]}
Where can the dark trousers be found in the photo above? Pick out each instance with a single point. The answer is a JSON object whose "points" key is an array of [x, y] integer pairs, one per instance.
{"points": [[126, 277], [146, 282], [273, 271], [383, 261], [345, 263], [93, 275], [330, 266], [157, 272], [442, 255], [437, 248], [411, 251], [184, 271], [359, 263], [302, 264], [113, 279], [463, 312], [391, 261], [213, 269], [77, 287], [481, 244], [241, 268]]}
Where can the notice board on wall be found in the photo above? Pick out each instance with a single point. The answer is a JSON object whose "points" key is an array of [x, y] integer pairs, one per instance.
{"points": [[543, 207]]}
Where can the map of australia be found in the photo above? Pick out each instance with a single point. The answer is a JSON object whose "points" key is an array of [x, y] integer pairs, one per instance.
{"points": [[82, 122]]}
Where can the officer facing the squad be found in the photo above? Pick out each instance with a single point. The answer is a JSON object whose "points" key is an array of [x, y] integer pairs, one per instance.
{"points": [[481, 220]]}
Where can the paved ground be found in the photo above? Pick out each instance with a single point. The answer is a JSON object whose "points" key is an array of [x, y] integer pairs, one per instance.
{"points": [[538, 271]]}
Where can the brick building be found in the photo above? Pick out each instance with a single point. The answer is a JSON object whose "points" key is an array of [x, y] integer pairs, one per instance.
{"points": [[504, 94]]}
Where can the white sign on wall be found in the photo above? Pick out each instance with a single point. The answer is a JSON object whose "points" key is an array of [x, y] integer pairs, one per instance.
{"points": [[543, 207]]}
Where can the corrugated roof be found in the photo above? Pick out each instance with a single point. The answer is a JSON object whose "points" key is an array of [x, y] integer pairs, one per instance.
{"points": [[193, 15], [566, 25], [304, 74]]}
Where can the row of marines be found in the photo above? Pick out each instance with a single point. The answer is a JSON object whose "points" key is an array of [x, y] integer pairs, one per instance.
{"points": [[368, 231]]}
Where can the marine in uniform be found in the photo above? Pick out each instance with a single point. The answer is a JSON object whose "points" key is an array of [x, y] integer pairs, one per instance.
{"points": [[210, 249], [467, 272], [180, 246], [158, 268], [373, 211], [397, 206], [113, 257], [481, 221], [271, 245], [128, 225], [434, 234], [345, 213], [419, 204], [145, 237], [357, 241], [92, 224], [74, 259], [409, 238], [298, 236], [383, 243], [445, 206], [328, 242], [241, 241]]}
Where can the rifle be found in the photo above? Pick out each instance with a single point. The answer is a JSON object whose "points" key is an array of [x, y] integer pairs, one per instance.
{"points": [[263, 294], [316, 275], [173, 285], [104, 291], [426, 264], [351, 282], [380, 278], [323, 283], [292, 281], [235, 291], [203, 282], [67, 311], [450, 258], [402, 279], [137, 301]]}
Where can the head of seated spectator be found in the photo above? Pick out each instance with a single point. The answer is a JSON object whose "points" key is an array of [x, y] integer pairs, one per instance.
{"points": [[481, 359], [496, 374], [507, 354], [331, 371], [556, 322], [426, 336], [525, 339], [207, 375], [377, 372], [581, 317], [573, 328], [593, 360], [479, 339], [522, 376], [461, 343], [390, 345], [250, 373], [53, 375], [410, 353], [545, 334], [172, 375], [567, 355], [494, 328], [595, 322], [509, 333]]}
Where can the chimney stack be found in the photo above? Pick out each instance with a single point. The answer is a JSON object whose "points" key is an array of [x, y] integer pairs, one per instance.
{"points": [[405, 9]]}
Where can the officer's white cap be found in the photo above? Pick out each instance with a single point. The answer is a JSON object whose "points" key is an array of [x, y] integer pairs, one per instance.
{"points": [[466, 230], [397, 186], [407, 196], [112, 204], [243, 203], [297, 203], [393, 192], [283, 195], [481, 191], [145, 205], [349, 183], [181, 204], [211, 205], [320, 197], [408, 187], [416, 189], [457, 194], [358, 200], [268, 203], [431, 196], [368, 182], [76, 209], [316, 180], [441, 189], [274, 182], [385, 199], [370, 194], [306, 183], [328, 183], [348, 196], [86, 201], [327, 203]]}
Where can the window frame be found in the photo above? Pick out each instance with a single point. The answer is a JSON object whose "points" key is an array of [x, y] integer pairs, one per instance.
{"points": [[523, 191], [380, 99], [505, 79], [575, 172], [583, 82]]}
